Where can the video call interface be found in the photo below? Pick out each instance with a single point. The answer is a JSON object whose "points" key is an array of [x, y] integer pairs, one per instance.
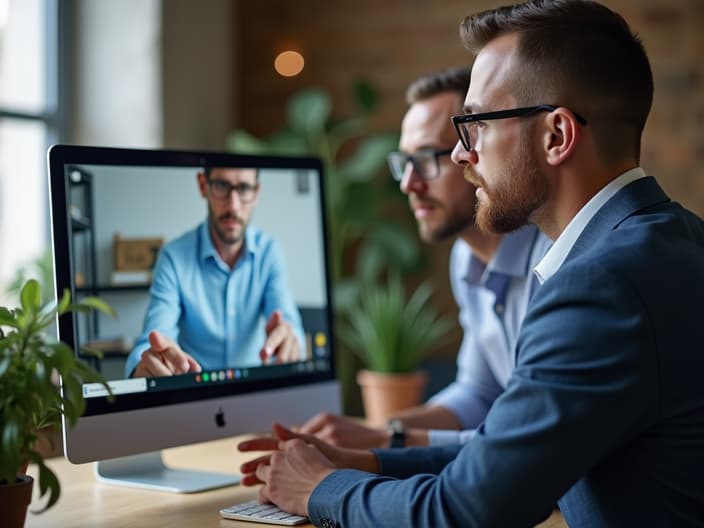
{"points": [[121, 218]]}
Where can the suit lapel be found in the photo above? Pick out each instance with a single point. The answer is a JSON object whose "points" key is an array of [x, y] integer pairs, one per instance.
{"points": [[634, 197]]}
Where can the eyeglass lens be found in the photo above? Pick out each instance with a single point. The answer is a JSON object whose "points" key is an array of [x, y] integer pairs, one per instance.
{"points": [[222, 189], [425, 163]]}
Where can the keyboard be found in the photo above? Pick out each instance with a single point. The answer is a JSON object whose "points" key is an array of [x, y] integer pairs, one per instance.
{"points": [[263, 513]]}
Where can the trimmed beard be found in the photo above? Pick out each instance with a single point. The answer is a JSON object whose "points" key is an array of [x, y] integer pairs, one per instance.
{"points": [[509, 205], [223, 237], [457, 221]]}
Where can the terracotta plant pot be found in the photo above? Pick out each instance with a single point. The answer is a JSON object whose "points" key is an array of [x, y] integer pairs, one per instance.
{"points": [[14, 500], [386, 394]]}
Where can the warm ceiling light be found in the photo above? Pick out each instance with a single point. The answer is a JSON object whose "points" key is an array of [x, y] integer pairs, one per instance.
{"points": [[289, 63]]}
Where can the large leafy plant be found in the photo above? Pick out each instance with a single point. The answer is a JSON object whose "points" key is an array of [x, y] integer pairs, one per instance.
{"points": [[30, 397], [391, 332]]}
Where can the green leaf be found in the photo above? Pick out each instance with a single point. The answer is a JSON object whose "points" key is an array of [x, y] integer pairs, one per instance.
{"points": [[48, 483], [358, 206], [369, 158], [63, 359], [308, 111], [345, 294], [94, 303], [245, 143], [400, 249], [10, 448], [4, 365], [345, 130], [287, 142], [30, 296], [65, 302], [371, 260], [73, 398], [7, 318], [366, 96]]}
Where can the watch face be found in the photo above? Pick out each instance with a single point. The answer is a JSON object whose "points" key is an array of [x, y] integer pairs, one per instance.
{"points": [[396, 426], [398, 433]]}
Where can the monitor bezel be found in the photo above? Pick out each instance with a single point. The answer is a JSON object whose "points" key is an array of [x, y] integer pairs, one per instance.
{"points": [[61, 156]]}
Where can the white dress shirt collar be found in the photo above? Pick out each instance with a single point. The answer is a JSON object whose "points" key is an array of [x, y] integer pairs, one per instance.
{"points": [[557, 254]]}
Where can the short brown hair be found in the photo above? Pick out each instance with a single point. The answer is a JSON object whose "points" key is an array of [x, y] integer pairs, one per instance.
{"points": [[580, 54], [452, 80]]}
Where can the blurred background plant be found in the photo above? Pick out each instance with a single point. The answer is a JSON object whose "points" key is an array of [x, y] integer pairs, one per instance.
{"points": [[41, 269], [371, 234]]}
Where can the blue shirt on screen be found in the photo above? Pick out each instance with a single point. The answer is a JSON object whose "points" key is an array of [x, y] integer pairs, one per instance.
{"points": [[217, 314]]}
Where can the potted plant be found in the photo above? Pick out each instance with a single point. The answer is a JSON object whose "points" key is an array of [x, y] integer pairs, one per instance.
{"points": [[30, 397], [392, 334]]}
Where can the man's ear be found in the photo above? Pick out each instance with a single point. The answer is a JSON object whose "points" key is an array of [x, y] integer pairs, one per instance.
{"points": [[202, 184], [561, 136]]}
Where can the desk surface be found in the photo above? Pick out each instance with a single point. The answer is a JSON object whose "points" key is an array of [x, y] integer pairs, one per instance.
{"points": [[86, 503]]}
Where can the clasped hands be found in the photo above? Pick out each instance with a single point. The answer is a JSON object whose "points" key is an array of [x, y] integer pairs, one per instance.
{"points": [[299, 462], [165, 358]]}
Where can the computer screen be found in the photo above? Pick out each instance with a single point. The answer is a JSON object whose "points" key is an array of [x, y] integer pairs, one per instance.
{"points": [[148, 231]]}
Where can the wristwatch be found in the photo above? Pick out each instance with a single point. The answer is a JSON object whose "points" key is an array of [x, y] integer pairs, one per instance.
{"points": [[398, 433]]}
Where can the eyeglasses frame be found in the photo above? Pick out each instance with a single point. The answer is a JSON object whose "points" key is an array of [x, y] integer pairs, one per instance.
{"points": [[233, 188], [411, 157], [462, 119]]}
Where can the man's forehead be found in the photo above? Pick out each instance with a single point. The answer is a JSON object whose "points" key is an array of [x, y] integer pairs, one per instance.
{"points": [[427, 122], [234, 173], [491, 73]]}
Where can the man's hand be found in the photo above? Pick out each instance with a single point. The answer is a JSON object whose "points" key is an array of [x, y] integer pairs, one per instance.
{"points": [[281, 342], [345, 432], [298, 464], [164, 358], [290, 474]]}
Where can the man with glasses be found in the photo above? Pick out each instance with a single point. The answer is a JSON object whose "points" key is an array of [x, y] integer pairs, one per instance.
{"points": [[604, 410], [219, 294], [491, 277]]}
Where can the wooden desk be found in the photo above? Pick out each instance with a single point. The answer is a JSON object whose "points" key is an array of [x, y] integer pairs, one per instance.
{"points": [[87, 503]]}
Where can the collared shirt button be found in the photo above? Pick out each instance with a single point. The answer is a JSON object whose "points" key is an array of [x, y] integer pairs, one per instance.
{"points": [[231, 312], [499, 308]]}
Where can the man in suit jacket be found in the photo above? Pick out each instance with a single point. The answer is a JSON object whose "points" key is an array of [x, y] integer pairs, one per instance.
{"points": [[605, 408]]}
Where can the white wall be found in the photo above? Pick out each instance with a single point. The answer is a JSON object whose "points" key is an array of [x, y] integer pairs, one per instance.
{"points": [[117, 97], [153, 73]]}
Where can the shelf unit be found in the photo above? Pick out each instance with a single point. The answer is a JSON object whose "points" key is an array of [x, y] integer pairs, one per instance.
{"points": [[85, 261]]}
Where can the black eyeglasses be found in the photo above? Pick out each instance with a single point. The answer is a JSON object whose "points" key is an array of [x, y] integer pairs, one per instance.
{"points": [[425, 163], [467, 125], [221, 190]]}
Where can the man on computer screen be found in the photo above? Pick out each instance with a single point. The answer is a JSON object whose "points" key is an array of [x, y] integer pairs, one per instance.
{"points": [[219, 295], [491, 276]]}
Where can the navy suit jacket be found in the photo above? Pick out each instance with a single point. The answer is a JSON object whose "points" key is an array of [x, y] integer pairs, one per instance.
{"points": [[604, 411]]}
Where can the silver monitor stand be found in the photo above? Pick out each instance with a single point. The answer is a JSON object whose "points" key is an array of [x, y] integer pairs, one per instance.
{"points": [[147, 470]]}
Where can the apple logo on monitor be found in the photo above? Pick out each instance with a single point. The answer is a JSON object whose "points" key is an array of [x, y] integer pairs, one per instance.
{"points": [[220, 418]]}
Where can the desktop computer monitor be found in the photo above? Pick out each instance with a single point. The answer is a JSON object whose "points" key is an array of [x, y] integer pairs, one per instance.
{"points": [[115, 213]]}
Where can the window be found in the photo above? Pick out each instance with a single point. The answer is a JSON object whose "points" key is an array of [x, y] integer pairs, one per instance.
{"points": [[30, 120]]}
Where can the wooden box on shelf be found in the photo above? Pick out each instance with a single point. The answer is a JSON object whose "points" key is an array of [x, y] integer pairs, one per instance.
{"points": [[135, 254]]}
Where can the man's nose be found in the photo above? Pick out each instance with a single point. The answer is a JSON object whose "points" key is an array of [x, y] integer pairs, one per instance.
{"points": [[461, 155], [234, 199], [412, 181]]}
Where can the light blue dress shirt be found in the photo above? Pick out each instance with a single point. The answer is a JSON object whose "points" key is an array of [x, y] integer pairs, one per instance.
{"points": [[217, 314], [493, 300]]}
